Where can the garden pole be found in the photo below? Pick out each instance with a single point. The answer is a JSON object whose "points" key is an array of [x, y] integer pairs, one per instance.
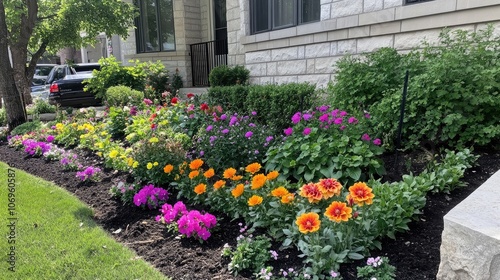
{"points": [[401, 116]]}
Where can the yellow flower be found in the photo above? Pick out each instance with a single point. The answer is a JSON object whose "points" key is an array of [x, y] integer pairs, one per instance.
{"points": [[153, 140], [136, 163], [193, 174], [104, 133], [155, 163], [272, 175], [254, 200], [195, 164], [59, 126], [308, 222], [168, 168], [279, 192], [99, 154], [219, 184], [200, 188], [149, 165], [130, 161], [209, 173], [238, 190], [253, 167], [113, 154], [229, 173], [100, 145], [258, 181]]}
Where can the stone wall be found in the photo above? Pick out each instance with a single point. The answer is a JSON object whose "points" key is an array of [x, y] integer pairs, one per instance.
{"points": [[307, 53]]}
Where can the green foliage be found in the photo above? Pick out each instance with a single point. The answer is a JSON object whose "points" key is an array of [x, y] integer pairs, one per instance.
{"points": [[231, 98], [453, 93], [228, 76], [26, 128], [176, 83], [125, 192], [119, 96], [156, 79], [3, 117], [118, 119], [42, 107], [250, 254], [377, 268]]}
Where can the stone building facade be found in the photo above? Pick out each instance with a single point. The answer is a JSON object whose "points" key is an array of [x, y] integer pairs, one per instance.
{"points": [[307, 52]]}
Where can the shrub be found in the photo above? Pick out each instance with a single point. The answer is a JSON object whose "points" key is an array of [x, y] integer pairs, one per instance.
{"points": [[122, 95], [156, 78], [228, 76], [3, 117], [26, 127], [231, 98], [176, 83], [42, 107]]}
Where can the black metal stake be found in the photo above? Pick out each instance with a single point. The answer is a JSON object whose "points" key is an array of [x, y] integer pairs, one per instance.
{"points": [[401, 116]]}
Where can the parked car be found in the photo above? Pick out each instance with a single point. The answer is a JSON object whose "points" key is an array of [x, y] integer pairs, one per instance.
{"points": [[39, 79], [66, 86]]}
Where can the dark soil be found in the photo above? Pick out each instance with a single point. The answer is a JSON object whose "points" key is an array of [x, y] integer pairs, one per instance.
{"points": [[415, 253]]}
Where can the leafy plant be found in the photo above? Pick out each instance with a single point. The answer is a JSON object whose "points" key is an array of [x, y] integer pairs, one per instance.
{"points": [[176, 83], [120, 96], [125, 192], [228, 76], [26, 127], [42, 107], [377, 268], [3, 117]]}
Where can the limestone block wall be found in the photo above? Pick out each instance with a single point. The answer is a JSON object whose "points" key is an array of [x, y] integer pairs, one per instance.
{"points": [[307, 53]]}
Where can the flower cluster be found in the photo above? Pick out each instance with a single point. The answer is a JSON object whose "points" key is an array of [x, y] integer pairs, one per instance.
{"points": [[124, 192], [69, 161], [36, 148], [89, 173], [150, 196], [188, 223], [323, 189]]}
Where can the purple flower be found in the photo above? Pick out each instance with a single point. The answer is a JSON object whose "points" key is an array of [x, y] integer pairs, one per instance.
{"points": [[251, 125], [324, 118], [307, 116], [367, 115], [342, 127], [306, 131], [335, 112], [256, 152], [225, 131], [210, 127], [223, 117], [202, 153], [338, 121], [269, 138], [147, 101], [248, 134], [150, 196], [50, 138], [353, 120], [323, 108], [133, 110], [288, 131], [365, 137], [233, 121], [254, 113], [343, 113], [377, 142], [274, 254], [296, 117]]}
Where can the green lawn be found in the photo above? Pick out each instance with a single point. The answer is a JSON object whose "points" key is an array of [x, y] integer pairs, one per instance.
{"points": [[57, 238]]}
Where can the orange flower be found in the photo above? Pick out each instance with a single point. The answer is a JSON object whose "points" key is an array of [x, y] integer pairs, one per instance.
{"points": [[229, 173], [193, 174], [254, 200], [272, 175], [236, 177], [209, 173], [258, 181], [329, 187], [338, 212], [253, 167], [287, 198], [279, 192], [200, 188], [219, 184], [168, 168], [360, 194], [238, 190], [311, 192], [308, 222], [195, 164]]}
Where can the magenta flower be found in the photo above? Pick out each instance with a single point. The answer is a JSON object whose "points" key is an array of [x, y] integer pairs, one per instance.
{"points": [[133, 110], [338, 121], [223, 117], [324, 118], [365, 137], [147, 101], [225, 131], [343, 113], [254, 113], [233, 121], [269, 138], [288, 131], [210, 127], [323, 108], [367, 115], [307, 116], [377, 142], [150, 196], [306, 131], [353, 120], [50, 138], [248, 134], [296, 118], [335, 112]]}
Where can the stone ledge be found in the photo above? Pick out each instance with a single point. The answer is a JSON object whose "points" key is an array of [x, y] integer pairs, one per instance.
{"points": [[470, 247]]}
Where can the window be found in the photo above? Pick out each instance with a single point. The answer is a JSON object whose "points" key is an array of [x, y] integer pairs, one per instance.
{"points": [[155, 26], [415, 1], [269, 15]]}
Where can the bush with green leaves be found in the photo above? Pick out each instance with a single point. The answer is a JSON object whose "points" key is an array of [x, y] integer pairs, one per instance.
{"points": [[251, 253], [176, 83], [453, 92], [3, 117], [26, 128], [231, 98], [327, 143], [41, 106], [119, 96], [157, 78], [228, 76]]}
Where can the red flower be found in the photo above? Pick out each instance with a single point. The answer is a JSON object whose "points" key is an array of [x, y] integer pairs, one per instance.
{"points": [[204, 106], [153, 126], [190, 95], [174, 100]]}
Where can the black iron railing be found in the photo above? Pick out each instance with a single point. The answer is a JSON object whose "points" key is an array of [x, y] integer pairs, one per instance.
{"points": [[204, 57]]}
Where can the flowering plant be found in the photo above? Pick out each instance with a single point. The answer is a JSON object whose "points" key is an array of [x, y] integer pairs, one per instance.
{"points": [[377, 269], [124, 192], [69, 161], [89, 173], [188, 223], [150, 196], [36, 148], [326, 143]]}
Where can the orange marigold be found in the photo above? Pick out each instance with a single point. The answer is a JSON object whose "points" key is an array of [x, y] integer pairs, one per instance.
{"points": [[272, 175], [308, 222], [254, 200], [360, 194], [236, 177], [311, 192], [329, 187], [229, 173], [338, 212], [200, 188], [195, 164], [209, 173], [219, 184], [253, 167], [279, 192], [168, 168], [193, 174], [258, 181], [238, 190], [287, 198]]}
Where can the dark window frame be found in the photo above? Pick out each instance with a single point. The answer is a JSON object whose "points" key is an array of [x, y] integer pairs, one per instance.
{"points": [[139, 32], [412, 2], [297, 16]]}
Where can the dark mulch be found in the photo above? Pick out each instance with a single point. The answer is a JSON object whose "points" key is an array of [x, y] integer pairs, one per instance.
{"points": [[415, 254]]}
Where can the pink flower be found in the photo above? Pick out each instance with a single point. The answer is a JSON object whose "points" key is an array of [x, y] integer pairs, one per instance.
{"points": [[377, 142], [248, 134], [50, 138], [338, 121], [365, 137], [353, 120], [307, 116], [343, 113], [296, 118], [324, 118], [254, 113], [288, 131], [306, 131], [147, 101]]}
